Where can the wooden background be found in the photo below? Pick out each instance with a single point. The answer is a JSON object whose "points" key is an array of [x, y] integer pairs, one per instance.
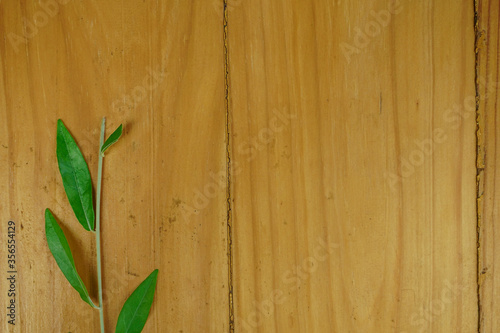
{"points": [[288, 166], [487, 163]]}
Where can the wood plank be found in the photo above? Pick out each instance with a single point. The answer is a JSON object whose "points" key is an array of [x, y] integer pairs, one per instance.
{"points": [[159, 69], [353, 163], [488, 161]]}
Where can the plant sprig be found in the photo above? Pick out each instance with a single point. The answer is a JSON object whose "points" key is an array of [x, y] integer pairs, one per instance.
{"points": [[78, 187]]}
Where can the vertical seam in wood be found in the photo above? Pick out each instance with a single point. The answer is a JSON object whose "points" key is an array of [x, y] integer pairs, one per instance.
{"points": [[228, 172], [479, 162]]}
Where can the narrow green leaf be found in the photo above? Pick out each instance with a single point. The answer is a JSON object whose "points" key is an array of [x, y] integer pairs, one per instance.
{"points": [[76, 177], [112, 138], [59, 247], [135, 311]]}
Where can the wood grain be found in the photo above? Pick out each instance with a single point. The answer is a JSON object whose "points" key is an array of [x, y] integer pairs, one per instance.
{"points": [[158, 68], [353, 163], [351, 136], [488, 161]]}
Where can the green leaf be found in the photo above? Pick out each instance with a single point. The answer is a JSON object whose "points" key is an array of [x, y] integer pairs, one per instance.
{"points": [[59, 247], [135, 311], [76, 177], [112, 138]]}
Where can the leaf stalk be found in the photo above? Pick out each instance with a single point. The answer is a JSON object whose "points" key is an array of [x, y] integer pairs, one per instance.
{"points": [[98, 225]]}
